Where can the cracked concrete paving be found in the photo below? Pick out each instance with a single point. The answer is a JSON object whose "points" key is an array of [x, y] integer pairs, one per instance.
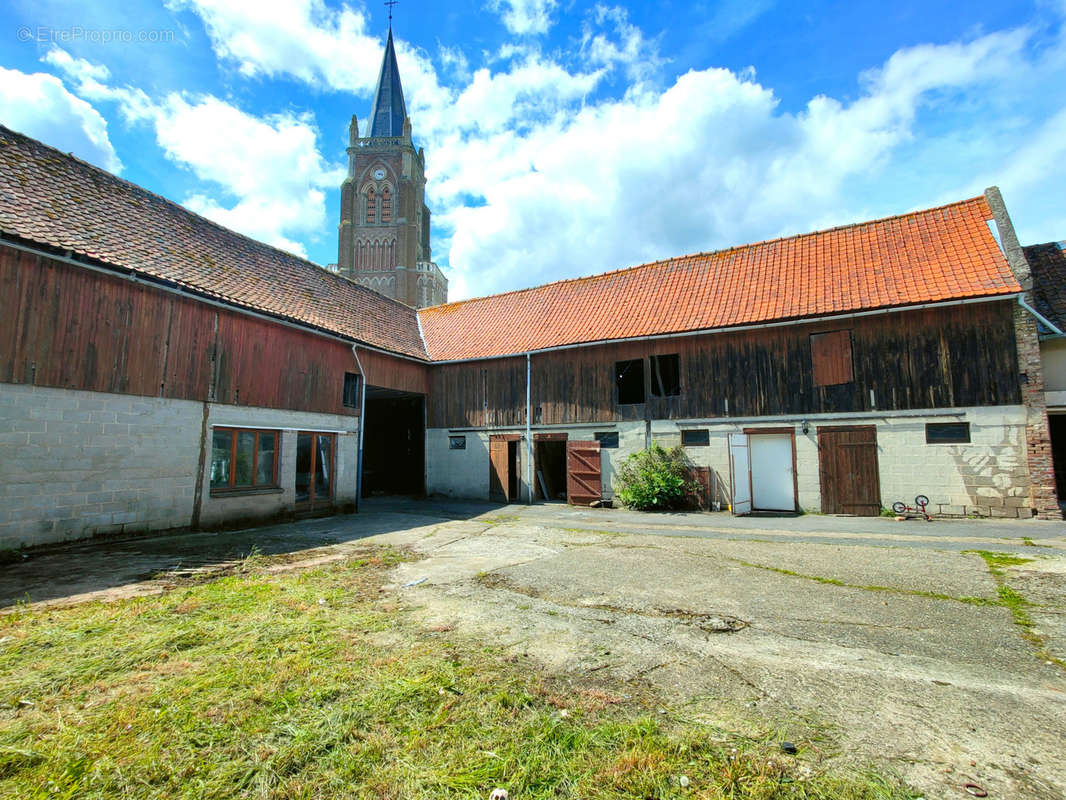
{"points": [[922, 684], [870, 630]]}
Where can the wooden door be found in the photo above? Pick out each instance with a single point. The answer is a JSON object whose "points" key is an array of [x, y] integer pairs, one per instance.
{"points": [[583, 478], [499, 474], [847, 470]]}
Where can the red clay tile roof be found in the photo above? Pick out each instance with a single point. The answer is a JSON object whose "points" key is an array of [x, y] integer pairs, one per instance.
{"points": [[941, 254], [51, 198], [1048, 265]]}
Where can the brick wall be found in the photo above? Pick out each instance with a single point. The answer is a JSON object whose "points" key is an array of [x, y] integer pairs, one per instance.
{"points": [[1043, 498]]}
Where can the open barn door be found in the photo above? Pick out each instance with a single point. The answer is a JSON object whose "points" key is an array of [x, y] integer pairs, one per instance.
{"points": [[583, 478], [739, 473], [503, 467]]}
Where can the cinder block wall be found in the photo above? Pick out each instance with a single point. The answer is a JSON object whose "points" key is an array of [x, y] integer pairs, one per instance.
{"points": [[76, 464], [987, 477]]}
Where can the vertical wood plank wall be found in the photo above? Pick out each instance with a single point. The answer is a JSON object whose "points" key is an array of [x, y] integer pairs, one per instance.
{"points": [[68, 327], [933, 358]]}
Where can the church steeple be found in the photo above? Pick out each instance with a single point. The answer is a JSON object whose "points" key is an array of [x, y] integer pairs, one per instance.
{"points": [[385, 224], [389, 111]]}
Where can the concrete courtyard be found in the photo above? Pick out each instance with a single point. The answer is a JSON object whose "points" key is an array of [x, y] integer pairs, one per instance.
{"points": [[887, 643]]}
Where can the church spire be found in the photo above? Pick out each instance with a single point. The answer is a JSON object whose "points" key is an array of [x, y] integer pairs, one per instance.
{"points": [[389, 111]]}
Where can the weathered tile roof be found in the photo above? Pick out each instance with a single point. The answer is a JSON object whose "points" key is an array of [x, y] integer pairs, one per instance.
{"points": [[1048, 265], [941, 254], [53, 199]]}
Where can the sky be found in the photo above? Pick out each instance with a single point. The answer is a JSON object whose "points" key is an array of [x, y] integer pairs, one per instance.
{"points": [[562, 137]]}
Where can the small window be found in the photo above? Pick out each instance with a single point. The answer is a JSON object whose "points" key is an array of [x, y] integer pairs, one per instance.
{"points": [[629, 380], [608, 439], [698, 437], [831, 358], [947, 433], [457, 443], [351, 389], [244, 459], [666, 375]]}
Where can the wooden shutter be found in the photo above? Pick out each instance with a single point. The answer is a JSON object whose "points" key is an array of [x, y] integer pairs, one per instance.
{"points": [[583, 477], [831, 358]]}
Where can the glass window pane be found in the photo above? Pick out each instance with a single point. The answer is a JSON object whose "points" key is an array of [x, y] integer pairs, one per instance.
{"points": [[303, 467], [264, 469], [324, 467], [221, 446], [245, 458]]}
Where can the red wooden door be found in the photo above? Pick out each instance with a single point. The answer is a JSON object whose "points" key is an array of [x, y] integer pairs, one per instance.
{"points": [[848, 471], [583, 480]]}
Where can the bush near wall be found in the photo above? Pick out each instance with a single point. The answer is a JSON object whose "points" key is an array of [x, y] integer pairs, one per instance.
{"points": [[656, 479]]}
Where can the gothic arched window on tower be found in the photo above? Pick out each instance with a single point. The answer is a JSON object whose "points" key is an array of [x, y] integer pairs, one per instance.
{"points": [[371, 206], [386, 205]]}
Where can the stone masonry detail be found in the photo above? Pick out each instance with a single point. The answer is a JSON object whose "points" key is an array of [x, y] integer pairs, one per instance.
{"points": [[1043, 496]]}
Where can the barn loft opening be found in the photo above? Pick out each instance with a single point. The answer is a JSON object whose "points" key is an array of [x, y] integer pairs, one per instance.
{"points": [[394, 442]]}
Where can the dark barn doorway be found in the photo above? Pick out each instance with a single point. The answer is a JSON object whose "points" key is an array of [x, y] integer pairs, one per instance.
{"points": [[549, 463], [394, 443], [1057, 424]]}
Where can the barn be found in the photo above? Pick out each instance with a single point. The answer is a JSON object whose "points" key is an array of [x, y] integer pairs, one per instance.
{"points": [[159, 371]]}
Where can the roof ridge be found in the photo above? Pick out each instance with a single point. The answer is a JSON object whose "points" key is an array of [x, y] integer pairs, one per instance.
{"points": [[704, 253], [305, 262]]}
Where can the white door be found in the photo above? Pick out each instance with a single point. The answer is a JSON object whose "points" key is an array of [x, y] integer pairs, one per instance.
{"points": [[739, 473], [772, 484]]}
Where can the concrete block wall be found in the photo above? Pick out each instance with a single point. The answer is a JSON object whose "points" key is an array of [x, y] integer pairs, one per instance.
{"points": [[76, 464], [227, 509], [988, 477]]}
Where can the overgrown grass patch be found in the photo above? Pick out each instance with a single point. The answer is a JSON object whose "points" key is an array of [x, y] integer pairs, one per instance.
{"points": [[312, 684]]}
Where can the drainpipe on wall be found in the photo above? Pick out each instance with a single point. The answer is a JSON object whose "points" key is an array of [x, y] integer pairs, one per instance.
{"points": [[529, 434], [362, 425], [1051, 326]]}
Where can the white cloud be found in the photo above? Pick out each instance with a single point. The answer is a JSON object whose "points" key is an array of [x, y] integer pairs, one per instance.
{"points": [[269, 170], [544, 165], [523, 17], [303, 38], [38, 105]]}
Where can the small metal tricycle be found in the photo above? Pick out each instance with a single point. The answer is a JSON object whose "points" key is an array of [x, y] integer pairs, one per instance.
{"points": [[920, 503]]}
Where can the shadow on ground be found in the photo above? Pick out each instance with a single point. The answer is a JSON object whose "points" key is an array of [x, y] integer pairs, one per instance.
{"points": [[79, 568]]}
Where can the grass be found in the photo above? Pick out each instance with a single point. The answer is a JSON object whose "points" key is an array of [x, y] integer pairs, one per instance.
{"points": [[314, 684], [1015, 602], [972, 601]]}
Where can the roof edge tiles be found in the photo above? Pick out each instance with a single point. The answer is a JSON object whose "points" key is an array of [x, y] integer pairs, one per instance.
{"points": [[916, 258], [85, 242]]}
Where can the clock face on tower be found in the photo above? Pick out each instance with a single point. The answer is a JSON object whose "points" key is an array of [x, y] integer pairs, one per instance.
{"points": [[379, 174]]}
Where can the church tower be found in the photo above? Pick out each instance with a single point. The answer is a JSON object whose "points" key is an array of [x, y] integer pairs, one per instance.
{"points": [[384, 227]]}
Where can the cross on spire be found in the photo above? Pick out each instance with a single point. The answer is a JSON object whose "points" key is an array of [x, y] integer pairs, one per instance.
{"points": [[390, 4]]}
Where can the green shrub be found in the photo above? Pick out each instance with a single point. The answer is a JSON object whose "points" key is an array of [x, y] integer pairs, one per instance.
{"points": [[655, 480]]}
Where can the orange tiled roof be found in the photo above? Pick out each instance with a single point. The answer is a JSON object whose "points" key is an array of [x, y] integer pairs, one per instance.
{"points": [[51, 198], [941, 254]]}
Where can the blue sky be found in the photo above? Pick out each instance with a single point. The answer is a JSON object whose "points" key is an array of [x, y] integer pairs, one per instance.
{"points": [[562, 138]]}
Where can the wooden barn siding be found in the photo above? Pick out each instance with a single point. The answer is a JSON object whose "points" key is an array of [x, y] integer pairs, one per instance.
{"points": [[936, 358], [72, 328], [394, 373]]}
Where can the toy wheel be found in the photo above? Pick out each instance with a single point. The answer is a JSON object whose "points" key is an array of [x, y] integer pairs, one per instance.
{"points": [[898, 507], [921, 500]]}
